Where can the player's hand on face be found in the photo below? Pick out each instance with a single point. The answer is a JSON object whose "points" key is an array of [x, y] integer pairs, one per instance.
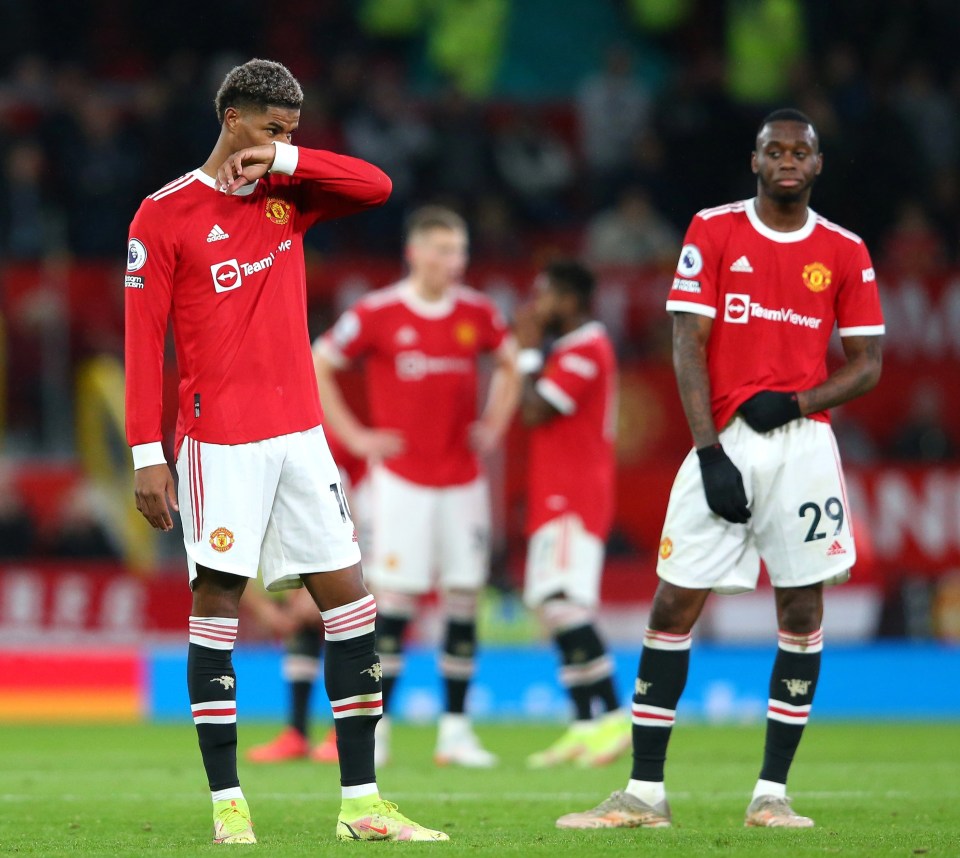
{"points": [[527, 327], [244, 167], [376, 444], [156, 495], [723, 485], [483, 438]]}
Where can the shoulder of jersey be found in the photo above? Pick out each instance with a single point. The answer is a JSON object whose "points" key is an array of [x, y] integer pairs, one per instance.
{"points": [[717, 211], [471, 296], [839, 230], [171, 189], [380, 298]]}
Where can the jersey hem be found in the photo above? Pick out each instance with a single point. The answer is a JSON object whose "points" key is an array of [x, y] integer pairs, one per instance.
{"points": [[691, 307]]}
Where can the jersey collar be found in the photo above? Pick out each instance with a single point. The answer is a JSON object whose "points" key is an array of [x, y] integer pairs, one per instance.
{"points": [[210, 182], [782, 237], [425, 309]]}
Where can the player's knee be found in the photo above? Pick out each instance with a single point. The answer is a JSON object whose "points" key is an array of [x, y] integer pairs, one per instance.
{"points": [[799, 610], [558, 614], [676, 609], [460, 605]]}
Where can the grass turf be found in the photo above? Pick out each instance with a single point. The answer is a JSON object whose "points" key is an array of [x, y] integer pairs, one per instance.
{"points": [[875, 790]]}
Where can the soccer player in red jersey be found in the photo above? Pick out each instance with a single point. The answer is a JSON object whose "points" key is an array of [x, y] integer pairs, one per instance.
{"points": [[759, 287], [421, 339], [570, 403], [220, 252]]}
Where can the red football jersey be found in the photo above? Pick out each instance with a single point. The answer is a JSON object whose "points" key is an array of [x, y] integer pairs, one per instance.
{"points": [[230, 272], [572, 464], [421, 373], [774, 298]]}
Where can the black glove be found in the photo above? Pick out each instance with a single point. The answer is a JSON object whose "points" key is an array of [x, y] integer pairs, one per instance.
{"points": [[723, 485], [770, 409]]}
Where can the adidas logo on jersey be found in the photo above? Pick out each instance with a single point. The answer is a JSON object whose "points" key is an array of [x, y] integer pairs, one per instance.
{"points": [[742, 266], [217, 234], [836, 549]]}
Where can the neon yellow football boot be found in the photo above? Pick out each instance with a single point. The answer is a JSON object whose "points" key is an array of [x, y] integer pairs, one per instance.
{"points": [[231, 822], [372, 818]]}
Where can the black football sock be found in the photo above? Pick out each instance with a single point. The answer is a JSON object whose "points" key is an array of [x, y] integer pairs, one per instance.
{"points": [[390, 634], [793, 683], [457, 662], [352, 674], [212, 685], [587, 670], [661, 678], [301, 665]]}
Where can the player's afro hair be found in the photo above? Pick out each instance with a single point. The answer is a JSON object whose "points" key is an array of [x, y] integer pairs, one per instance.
{"points": [[258, 84], [568, 275]]}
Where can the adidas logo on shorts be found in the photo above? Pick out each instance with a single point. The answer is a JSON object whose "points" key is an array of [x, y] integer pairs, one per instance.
{"points": [[836, 549]]}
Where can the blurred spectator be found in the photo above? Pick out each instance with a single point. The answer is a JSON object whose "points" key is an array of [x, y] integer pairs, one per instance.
{"points": [[100, 178], [613, 107], [912, 246], [931, 118], [461, 162], [922, 436], [632, 233], [494, 231], [79, 531], [30, 225], [17, 528], [536, 166]]}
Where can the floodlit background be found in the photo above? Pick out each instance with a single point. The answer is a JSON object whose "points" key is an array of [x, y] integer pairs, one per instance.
{"points": [[593, 128]]}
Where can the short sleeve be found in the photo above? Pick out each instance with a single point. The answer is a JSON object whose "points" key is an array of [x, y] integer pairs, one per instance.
{"points": [[494, 327], [568, 378], [859, 313], [694, 287], [350, 338]]}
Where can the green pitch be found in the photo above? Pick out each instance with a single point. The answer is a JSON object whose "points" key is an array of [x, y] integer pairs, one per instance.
{"points": [[874, 790]]}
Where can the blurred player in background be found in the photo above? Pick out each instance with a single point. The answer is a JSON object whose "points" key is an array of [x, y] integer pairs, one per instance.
{"points": [[220, 250], [758, 289], [298, 622], [571, 406], [421, 339]]}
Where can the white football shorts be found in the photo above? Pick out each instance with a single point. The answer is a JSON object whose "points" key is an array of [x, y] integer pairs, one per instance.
{"points": [[277, 505], [426, 537], [563, 559], [800, 526]]}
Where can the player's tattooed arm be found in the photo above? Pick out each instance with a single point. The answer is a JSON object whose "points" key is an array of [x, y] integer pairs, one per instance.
{"points": [[857, 376], [690, 334]]}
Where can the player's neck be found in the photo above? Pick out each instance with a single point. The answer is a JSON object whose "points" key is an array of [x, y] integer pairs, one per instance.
{"points": [[782, 216], [224, 149], [431, 292], [568, 326]]}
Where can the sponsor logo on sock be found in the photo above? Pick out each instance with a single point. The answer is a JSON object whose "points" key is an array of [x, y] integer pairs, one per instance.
{"points": [[797, 687], [217, 234], [742, 266], [642, 686], [375, 671], [836, 549], [226, 681]]}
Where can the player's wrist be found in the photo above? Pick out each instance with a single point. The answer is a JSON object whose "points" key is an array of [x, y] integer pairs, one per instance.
{"points": [[711, 454], [145, 455], [529, 361], [285, 159]]}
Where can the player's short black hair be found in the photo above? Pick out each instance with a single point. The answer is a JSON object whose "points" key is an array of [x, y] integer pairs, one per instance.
{"points": [[789, 114], [430, 217], [573, 278], [258, 84]]}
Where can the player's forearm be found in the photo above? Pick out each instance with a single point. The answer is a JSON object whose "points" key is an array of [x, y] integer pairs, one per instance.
{"points": [[336, 413], [502, 398], [693, 379], [346, 177], [856, 377]]}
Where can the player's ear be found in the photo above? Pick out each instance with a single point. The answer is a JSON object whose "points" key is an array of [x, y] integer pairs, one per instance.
{"points": [[753, 162], [231, 117], [819, 163]]}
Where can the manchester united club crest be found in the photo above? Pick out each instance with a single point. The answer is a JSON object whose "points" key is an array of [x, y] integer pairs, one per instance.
{"points": [[221, 540], [466, 334], [666, 547], [816, 276], [278, 211]]}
